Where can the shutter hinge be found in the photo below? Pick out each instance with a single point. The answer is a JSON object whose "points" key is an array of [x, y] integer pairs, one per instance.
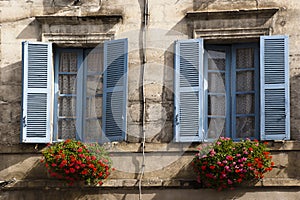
{"points": [[176, 120], [24, 121]]}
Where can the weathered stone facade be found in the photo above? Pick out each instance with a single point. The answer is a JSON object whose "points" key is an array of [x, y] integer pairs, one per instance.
{"points": [[150, 97]]}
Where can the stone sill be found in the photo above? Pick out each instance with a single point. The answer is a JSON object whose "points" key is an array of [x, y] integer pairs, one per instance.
{"points": [[231, 14], [125, 147], [133, 183]]}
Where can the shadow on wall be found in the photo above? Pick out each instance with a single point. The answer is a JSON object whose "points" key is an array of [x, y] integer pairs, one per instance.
{"points": [[201, 5]]}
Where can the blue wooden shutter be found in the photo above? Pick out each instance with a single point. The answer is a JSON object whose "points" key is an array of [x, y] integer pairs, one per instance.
{"points": [[188, 90], [274, 72], [115, 89], [37, 92]]}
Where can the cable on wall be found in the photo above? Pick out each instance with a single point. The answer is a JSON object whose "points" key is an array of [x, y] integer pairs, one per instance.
{"points": [[144, 61]]}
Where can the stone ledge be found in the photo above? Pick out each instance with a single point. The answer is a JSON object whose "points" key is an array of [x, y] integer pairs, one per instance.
{"points": [[149, 183], [124, 147]]}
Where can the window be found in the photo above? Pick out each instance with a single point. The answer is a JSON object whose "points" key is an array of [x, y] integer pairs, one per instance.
{"points": [[232, 92], [237, 90], [83, 96]]}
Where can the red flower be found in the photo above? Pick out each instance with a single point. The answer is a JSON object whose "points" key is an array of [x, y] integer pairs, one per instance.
{"points": [[239, 180], [203, 168], [53, 165], [64, 162], [91, 166], [212, 167], [250, 149], [84, 172], [67, 141], [80, 150], [72, 170]]}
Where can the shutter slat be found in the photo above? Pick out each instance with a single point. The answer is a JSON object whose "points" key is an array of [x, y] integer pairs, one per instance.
{"points": [[188, 90], [115, 89], [275, 119], [37, 90]]}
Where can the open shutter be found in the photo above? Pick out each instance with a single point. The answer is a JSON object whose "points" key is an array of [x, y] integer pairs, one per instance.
{"points": [[115, 89], [274, 71], [37, 92], [188, 90]]}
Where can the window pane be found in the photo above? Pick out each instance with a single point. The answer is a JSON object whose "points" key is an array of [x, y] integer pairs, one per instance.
{"points": [[245, 58], [66, 129], [216, 105], [93, 130], [245, 81], [245, 127], [216, 82], [94, 60], [216, 127], [245, 104], [68, 62], [67, 106], [94, 107], [94, 85], [67, 84], [216, 59]]}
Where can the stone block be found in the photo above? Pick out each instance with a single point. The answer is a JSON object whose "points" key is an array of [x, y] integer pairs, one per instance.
{"points": [[159, 132], [153, 92], [11, 74], [134, 132], [155, 112], [10, 93], [10, 112]]}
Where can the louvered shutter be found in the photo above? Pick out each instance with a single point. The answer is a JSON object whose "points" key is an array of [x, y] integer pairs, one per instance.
{"points": [[37, 92], [274, 71], [188, 92], [115, 89]]}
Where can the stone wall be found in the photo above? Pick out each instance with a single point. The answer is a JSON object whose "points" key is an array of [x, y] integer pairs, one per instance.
{"points": [[123, 19]]}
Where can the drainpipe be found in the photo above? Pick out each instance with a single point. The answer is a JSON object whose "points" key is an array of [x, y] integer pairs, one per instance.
{"points": [[144, 61]]}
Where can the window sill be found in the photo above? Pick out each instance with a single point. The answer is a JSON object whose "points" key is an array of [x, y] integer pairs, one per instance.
{"points": [[124, 147], [49, 184]]}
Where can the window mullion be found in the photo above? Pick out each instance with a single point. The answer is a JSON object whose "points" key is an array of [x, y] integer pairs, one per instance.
{"points": [[80, 100]]}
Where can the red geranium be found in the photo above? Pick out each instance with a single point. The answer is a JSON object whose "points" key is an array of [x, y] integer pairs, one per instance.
{"points": [[229, 163], [74, 161]]}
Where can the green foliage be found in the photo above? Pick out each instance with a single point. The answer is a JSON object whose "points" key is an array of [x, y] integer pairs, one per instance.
{"points": [[230, 163], [73, 161]]}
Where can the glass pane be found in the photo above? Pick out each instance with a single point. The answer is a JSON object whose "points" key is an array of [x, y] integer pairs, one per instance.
{"points": [[98, 106], [67, 84], [94, 60], [94, 85], [68, 62], [216, 105], [245, 58], [216, 59], [94, 107], [216, 82], [245, 81], [245, 127], [67, 106], [66, 129], [216, 128], [92, 130], [245, 104]]}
